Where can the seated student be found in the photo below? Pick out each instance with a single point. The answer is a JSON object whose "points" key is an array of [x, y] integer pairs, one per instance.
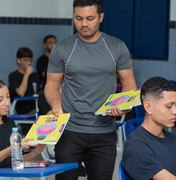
{"points": [[21, 81], [6, 125], [42, 61], [149, 151]]}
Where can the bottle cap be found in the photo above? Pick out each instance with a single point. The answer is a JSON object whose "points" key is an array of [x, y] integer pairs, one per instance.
{"points": [[14, 129]]}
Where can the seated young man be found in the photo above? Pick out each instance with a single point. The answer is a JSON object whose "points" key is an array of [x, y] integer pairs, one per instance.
{"points": [[22, 79], [149, 151], [21, 83]]}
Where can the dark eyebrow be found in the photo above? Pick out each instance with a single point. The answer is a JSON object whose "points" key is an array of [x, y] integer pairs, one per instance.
{"points": [[78, 16], [86, 17], [90, 17]]}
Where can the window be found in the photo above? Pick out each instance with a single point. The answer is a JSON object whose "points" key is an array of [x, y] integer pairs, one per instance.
{"points": [[142, 24]]}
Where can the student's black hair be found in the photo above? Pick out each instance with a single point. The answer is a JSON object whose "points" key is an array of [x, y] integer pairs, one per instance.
{"points": [[84, 3], [1, 83], [24, 52], [48, 36], [155, 86]]}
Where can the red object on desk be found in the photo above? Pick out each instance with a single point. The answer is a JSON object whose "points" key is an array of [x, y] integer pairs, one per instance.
{"points": [[36, 164]]}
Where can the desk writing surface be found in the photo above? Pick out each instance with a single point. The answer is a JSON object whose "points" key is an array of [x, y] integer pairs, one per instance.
{"points": [[38, 172], [25, 98], [23, 118]]}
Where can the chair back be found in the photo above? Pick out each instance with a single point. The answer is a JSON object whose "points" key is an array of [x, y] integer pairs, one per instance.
{"points": [[173, 82], [118, 125], [119, 129], [121, 172], [140, 112], [131, 125]]}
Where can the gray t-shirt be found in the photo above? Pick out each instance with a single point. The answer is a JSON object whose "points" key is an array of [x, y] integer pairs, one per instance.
{"points": [[89, 77]]}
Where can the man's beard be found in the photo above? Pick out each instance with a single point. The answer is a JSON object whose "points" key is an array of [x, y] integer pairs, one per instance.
{"points": [[87, 36]]}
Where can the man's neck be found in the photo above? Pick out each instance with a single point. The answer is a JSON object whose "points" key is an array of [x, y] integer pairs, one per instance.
{"points": [[20, 70], [90, 39], [153, 128], [47, 53]]}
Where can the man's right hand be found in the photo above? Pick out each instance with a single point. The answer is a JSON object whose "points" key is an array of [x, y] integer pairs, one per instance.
{"points": [[29, 70], [55, 112]]}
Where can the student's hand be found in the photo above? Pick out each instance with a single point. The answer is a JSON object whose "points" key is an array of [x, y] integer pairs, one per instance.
{"points": [[29, 70], [26, 143], [115, 111], [39, 148]]}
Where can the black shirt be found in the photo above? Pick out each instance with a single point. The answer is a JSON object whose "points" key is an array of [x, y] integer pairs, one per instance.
{"points": [[144, 154], [41, 66], [15, 79], [5, 132]]}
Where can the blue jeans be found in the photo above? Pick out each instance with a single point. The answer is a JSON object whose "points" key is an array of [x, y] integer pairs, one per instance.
{"points": [[97, 151]]}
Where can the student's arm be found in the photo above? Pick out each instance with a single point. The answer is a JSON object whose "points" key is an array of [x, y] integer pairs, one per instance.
{"points": [[128, 82], [5, 153], [52, 92], [163, 175], [34, 153]]}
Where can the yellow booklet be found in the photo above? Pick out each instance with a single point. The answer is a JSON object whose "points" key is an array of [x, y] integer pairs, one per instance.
{"points": [[123, 100], [47, 129]]}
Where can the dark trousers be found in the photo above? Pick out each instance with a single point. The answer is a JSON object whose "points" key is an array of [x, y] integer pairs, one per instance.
{"points": [[97, 151]]}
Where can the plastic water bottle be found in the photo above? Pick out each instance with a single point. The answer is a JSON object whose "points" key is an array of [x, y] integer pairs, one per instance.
{"points": [[16, 150]]}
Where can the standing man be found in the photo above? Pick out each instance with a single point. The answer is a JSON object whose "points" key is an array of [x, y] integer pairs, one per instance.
{"points": [[42, 62], [41, 66], [85, 67]]}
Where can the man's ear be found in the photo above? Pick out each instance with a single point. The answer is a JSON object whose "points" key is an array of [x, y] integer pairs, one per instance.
{"points": [[101, 17], [147, 106], [18, 61]]}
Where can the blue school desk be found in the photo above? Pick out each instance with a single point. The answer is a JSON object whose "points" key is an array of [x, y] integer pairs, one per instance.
{"points": [[38, 172]]}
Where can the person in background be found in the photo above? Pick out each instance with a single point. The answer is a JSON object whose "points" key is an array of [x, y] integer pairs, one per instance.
{"points": [[22, 80], [149, 152], [85, 67], [42, 62], [6, 125]]}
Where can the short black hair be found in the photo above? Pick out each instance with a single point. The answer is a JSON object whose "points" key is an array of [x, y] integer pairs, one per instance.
{"points": [[84, 3], [155, 86], [48, 36], [24, 52], [2, 83]]}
